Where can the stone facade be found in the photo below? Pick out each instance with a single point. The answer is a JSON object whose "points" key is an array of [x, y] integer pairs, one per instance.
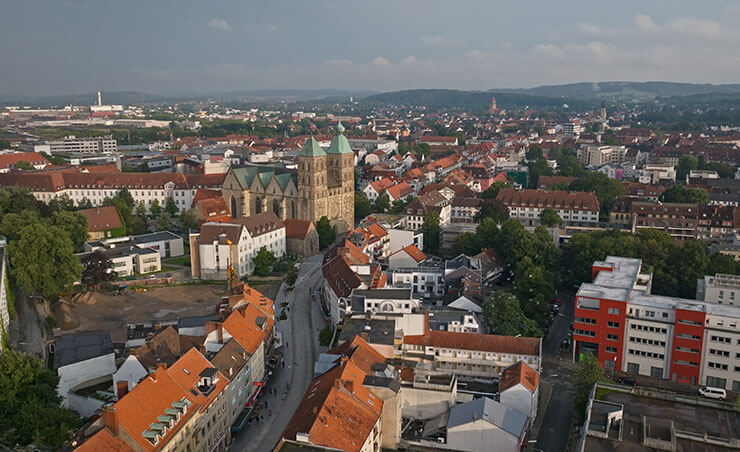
{"points": [[322, 186]]}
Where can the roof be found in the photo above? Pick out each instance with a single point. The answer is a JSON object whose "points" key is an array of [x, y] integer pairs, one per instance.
{"points": [[213, 209], [296, 229], [479, 342], [339, 144], [465, 304], [340, 276], [311, 149], [103, 440], [295, 446], [210, 232], [249, 326], [230, 359], [34, 158], [382, 184], [54, 181], [413, 252], [102, 218], [400, 190], [78, 347], [554, 199], [164, 347], [519, 373], [261, 223], [187, 372], [507, 419]]}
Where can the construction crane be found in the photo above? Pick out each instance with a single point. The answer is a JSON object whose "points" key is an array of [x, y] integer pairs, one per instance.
{"points": [[230, 272]]}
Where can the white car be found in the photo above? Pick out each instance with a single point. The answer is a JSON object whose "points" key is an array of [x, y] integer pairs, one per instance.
{"points": [[713, 393]]}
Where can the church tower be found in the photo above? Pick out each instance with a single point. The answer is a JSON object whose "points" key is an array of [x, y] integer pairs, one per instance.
{"points": [[341, 176], [312, 182]]}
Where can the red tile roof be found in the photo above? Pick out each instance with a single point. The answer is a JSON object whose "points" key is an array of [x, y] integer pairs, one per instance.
{"points": [[101, 219], [381, 185], [296, 229], [477, 342], [103, 441], [249, 326], [400, 190], [519, 373], [34, 158], [261, 223], [555, 199], [186, 372]]}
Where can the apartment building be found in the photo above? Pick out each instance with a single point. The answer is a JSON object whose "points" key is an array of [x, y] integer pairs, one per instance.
{"points": [[472, 354], [219, 245], [129, 260], [680, 221], [96, 187], [93, 145], [428, 202], [575, 208], [720, 288], [596, 155], [627, 328]]}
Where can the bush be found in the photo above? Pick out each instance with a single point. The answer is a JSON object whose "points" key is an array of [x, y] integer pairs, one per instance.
{"points": [[325, 336]]}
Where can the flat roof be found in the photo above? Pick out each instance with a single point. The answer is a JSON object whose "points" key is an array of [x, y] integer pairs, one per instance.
{"points": [[608, 293], [623, 275], [384, 294]]}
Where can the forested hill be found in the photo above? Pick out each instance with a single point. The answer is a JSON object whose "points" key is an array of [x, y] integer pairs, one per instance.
{"points": [[625, 91], [450, 98]]}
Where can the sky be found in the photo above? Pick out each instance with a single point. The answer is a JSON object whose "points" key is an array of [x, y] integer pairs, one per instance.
{"points": [[181, 47]]}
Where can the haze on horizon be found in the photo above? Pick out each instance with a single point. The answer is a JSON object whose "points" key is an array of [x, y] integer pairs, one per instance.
{"points": [[179, 47]]}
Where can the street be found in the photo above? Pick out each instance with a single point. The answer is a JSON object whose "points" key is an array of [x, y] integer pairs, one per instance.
{"points": [[300, 335], [27, 330]]}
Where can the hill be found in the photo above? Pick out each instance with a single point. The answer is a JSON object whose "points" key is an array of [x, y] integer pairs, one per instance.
{"points": [[624, 91], [109, 97], [480, 100]]}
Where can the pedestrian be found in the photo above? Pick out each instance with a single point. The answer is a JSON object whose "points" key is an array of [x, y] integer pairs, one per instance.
{"points": [[265, 404], [283, 364]]}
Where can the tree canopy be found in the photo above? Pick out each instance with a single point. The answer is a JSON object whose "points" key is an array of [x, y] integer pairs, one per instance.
{"points": [[97, 268], [681, 194], [431, 230], [363, 207], [327, 235], [506, 317], [263, 262], [550, 218], [382, 202]]}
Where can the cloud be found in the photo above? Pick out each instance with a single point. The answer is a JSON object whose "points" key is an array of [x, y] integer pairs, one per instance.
{"points": [[219, 24], [597, 30], [437, 40], [550, 51], [273, 27], [380, 61], [409, 60], [645, 23]]}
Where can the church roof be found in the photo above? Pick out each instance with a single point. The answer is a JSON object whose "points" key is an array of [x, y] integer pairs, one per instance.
{"points": [[339, 144], [283, 179], [311, 149], [246, 175]]}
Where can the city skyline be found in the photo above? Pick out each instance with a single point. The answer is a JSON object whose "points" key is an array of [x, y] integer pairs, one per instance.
{"points": [[184, 47]]}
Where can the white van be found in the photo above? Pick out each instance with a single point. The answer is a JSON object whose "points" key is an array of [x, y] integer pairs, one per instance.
{"points": [[713, 393]]}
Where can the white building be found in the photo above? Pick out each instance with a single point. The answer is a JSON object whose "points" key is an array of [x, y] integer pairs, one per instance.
{"points": [[407, 257], [94, 145], [721, 288], [130, 373], [574, 208], [129, 260], [425, 281], [596, 155], [211, 253], [519, 389], [653, 174], [165, 243], [484, 425], [386, 301]]}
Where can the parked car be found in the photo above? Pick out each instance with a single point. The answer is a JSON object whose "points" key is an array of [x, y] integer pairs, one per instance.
{"points": [[565, 343], [713, 393], [630, 381], [556, 301]]}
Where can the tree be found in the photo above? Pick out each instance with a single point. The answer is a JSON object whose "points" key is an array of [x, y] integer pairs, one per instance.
{"points": [[534, 290], [493, 209], [680, 194], [588, 373], [291, 276], [63, 202], [492, 191], [550, 218], [30, 410], [141, 208], [97, 268], [466, 243], [538, 168], [263, 262], [382, 202], [431, 230], [136, 225], [325, 336], [188, 220], [686, 163], [163, 222], [505, 316], [12, 224], [74, 224], [84, 204], [534, 152], [16, 199], [42, 260], [170, 207], [155, 209], [606, 190], [363, 207], [327, 235], [25, 166], [4, 144], [399, 205]]}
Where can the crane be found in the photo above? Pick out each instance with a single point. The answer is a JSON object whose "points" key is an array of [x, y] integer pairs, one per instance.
{"points": [[230, 272]]}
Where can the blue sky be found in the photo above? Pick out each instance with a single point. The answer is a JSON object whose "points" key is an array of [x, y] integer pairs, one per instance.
{"points": [[166, 46]]}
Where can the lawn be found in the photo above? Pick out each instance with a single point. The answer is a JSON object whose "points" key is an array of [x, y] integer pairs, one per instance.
{"points": [[182, 261]]}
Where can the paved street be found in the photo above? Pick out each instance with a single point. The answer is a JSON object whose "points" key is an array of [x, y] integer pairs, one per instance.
{"points": [[300, 332], [27, 330]]}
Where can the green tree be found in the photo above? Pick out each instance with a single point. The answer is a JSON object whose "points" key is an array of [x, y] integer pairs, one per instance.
{"points": [[431, 230], [25, 166], [188, 220], [724, 170], [291, 276], [534, 152], [722, 263], [163, 222], [686, 163], [550, 218], [505, 316], [327, 235], [16, 199], [533, 289], [382, 202], [263, 262], [97, 268], [63, 202], [12, 224], [363, 207], [84, 204], [492, 191], [136, 225], [42, 260], [466, 243], [538, 168], [325, 336], [155, 209], [680, 194], [493, 209], [141, 208], [606, 190], [4, 144], [170, 207], [588, 373], [487, 233], [74, 224], [400, 205]]}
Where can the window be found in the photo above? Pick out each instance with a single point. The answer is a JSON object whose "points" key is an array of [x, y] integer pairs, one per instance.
{"points": [[613, 324], [656, 372], [585, 333], [614, 311], [585, 320], [686, 349], [715, 352], [685, 363], [720, 366], [689, 322], [716, 382], [725, 340], [688, 336], [611, 349]]}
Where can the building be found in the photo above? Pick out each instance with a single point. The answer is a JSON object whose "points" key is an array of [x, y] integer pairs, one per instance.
{"points": [[432, 201], [627, 328], [374, 189], [465, 210], [165, 243], [680, 221], [322, 186], [483, 425], [472, 354], [519, 388], [438, 140], [129, 260], [103, 223], [653, 174], [630, 419], [407, 257], [575, 208], [71, 144], [398, 301], [8, 161], [424, 280], [597, 155], [720, 288], [219, 245], [82, 360], [4, 290], [301, 237]]}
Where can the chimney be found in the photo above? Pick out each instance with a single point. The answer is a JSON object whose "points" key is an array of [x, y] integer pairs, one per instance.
{"points": [[212, 326], [162, 366], [364, 336], [110, 418], [349, 385], [121, 389], [337, 383]]}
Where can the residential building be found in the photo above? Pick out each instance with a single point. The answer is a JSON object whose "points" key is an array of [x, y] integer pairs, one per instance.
{"points": [[129, 260], [472, 354], [653, 174], [680, 221], [575, 208], [374, 189], [598, 155], [627, 328], [72, 144], [399, 192], [428, 202], [493, 423], [464, 210], [389, 300], [438, 140], [82, 360], [8, 161], [301, 238], [407, 257], [401, 238], [648, 419], [103, 223], [426, 280], [165, 243], [720, 288], [716, 222], [453, 320], [519, 388], [219, 245]]}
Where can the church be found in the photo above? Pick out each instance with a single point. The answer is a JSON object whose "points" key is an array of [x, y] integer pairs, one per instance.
{"points": [[323, 185]]}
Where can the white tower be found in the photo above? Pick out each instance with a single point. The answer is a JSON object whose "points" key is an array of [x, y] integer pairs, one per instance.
{"points": [[100, 99]]}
